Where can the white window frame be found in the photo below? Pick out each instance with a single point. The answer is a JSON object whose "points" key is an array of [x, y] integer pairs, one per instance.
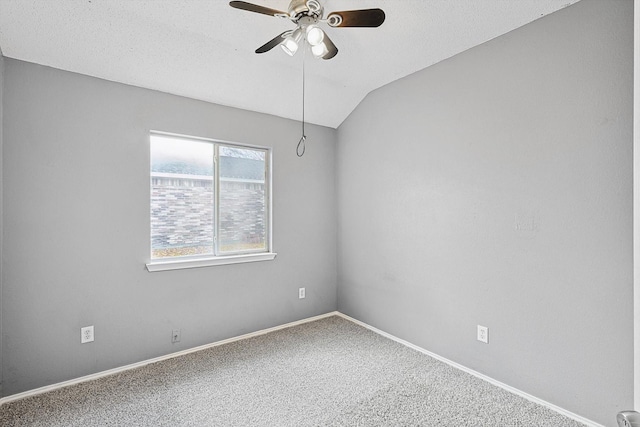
{"points": [[196, 261]]}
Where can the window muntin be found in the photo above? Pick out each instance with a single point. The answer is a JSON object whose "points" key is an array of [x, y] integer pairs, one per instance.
{"points": [[208, 198]]}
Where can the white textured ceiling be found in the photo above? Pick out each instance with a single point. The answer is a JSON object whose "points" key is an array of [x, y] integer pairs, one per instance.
{"points": [[204, 49]]}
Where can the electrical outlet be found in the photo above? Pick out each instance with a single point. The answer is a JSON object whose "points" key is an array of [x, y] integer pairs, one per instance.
{"points": [[175, 335], [301, 293], [483, 334], [86, 334]]}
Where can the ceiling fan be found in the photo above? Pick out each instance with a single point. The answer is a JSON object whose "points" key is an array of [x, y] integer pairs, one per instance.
{"points": [[307, 14]]}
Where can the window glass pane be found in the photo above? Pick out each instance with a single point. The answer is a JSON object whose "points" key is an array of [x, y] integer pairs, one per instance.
{"points": [[242, 200], [181, 197]]}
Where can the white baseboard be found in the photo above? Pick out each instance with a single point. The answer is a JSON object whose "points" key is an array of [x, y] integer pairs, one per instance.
{"points": [[97, 375], [490, 380]]}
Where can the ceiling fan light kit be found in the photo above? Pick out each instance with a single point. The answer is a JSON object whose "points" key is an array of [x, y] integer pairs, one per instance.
{"points": [[306, 15]]}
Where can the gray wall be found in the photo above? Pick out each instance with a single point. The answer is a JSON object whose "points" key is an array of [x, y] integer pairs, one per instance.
{"points": [[495, 188], [76, 187], [1, 220]]}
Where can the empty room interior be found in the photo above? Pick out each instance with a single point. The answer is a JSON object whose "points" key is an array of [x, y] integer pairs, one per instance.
{"points": [[456, 177]]}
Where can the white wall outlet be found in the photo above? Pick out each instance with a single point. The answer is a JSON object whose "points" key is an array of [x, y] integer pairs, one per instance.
{"points": [[483, 334], [175, 335], [86, 334], [301, 293]]}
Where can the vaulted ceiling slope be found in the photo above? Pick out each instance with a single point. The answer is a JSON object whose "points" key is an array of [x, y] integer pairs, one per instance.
{"points": [[204, 49]]}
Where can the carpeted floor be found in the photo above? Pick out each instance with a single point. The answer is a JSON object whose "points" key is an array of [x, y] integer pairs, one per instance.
{"points": [[325, 373]]}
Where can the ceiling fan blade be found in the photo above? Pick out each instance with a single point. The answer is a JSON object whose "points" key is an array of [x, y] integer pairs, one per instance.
{"points": [[272, 43], [332, 49], [356, 18], [256, 8]]}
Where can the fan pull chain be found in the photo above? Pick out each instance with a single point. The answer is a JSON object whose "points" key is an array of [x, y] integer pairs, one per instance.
{"points": [[303, 139]]}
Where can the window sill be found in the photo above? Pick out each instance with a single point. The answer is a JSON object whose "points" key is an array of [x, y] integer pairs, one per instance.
{"points": [[208, 262]]}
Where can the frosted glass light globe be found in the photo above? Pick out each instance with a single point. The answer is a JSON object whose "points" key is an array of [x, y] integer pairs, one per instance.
{"points": [[314, 35], [319, 50], [290, 46]]}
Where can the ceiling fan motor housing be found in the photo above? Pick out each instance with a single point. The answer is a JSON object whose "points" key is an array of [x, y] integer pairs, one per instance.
{"points": [[300, 8]]}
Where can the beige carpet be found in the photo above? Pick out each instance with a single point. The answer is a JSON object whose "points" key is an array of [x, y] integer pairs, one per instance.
{"points": [[325, 373]]}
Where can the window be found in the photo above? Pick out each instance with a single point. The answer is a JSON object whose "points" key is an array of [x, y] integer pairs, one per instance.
{"points": [[209, 203]]}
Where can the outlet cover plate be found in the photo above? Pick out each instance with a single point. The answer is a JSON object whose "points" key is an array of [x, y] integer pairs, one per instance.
{"points": [[301, 293], [483, 334], [86, 334]]}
